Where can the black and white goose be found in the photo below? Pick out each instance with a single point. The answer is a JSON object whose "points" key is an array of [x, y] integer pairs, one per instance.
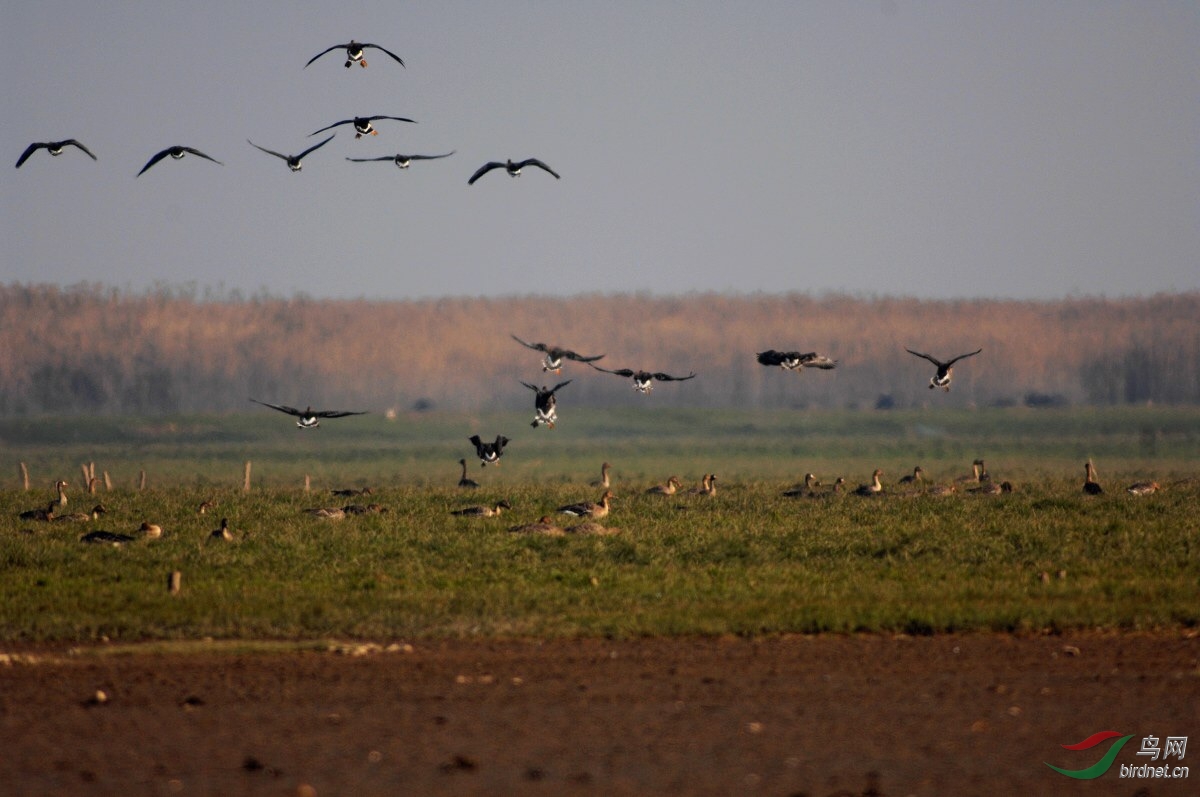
{"points": [[293, 161], [545, 404], [555, 355], [945, 370], [55, 148], [402, 161], [309, 418], [489, 453], [796, 361], [354, 53], [643, 381], [177, 152], [362, 125], [513, 168]]}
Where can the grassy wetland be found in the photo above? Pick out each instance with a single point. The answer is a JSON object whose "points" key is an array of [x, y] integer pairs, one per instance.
{"points": [[745, 561]]}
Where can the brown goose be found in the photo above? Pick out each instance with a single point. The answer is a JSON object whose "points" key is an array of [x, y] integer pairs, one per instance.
{"points": [[874, 488], [1090, 485], [483, 511], [992, 488], [543, 526], [81, 517], [916, 477], [222, 533], [326, 512], [556, 354], [590, 509], [973, 477], [603, 481], [708, 486], [1142, 488], [46, 514], [150, 531], [945, 370], [463, 481], [795, 361], [808, 488], [668, 488]]}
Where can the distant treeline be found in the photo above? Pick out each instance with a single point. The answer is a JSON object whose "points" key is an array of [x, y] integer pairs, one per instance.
{"points": [[90, 349]]}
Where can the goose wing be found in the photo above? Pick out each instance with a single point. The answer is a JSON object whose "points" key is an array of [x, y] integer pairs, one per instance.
{"points": [[814, 360], [393, 118], [579, 358], [314, 147], [542, 347], [429, 157], [280, 407], [539, 164], [484, 169], [269, 152], [618, 372], [335, 413], [388, 158], [330, 127], [155, 159], [933, 360], [73, 143], [32, 148], [961, 356], [772, 357], [329, 50], [397, 58], [560, 385], [661, 377]]}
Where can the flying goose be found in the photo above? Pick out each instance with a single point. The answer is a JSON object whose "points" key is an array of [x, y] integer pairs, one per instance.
{"points": [[402, 161], [874, 488], [643, 381], [1090, 485], [463, 481], [945, 370], [545, 404], [668, 488], [543, 526], [489, 453], [293, 161], [597, 509], [513, 169], [555, 355], [796, 361], [176, 152], [309, 418], [483, 511], [1142, 488], [55, 148], [362, 125], [354, 53]]}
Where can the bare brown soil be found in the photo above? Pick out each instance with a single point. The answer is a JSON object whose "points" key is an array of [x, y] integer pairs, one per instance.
{"points": [[944, 715]]}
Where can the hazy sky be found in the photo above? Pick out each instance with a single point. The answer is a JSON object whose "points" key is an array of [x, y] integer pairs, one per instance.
{"points": [[936, 149]]}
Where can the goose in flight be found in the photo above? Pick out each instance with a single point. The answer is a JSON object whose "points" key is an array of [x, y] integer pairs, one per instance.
{"points": [[309, 418], [545, 404], [945, 370], [176, 152], [354, 53], [402, 161], [513, 168], [556, 354], [362, 125], [643, 381], [489, 453], [55, 148], [293, 161], [796, 361]]}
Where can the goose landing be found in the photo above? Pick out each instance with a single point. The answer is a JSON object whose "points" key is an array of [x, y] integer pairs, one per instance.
{"points": [[354, 53], [945, 370]]}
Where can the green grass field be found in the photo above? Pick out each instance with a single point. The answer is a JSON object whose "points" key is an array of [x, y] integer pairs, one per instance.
{"points": [[747, 561]]}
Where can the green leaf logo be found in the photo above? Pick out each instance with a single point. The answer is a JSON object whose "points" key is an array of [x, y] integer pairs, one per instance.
{"points": [[1101, 766]]}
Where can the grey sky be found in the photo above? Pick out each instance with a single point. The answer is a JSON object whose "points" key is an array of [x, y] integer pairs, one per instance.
{"points": [[995, 149]]}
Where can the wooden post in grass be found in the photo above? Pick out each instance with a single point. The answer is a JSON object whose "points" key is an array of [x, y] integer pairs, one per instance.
{"points": [[91, 479], [83, 467], [174, 582], [307, 483], [142, 480], [107, 483], [246, 477], [25, 476]]}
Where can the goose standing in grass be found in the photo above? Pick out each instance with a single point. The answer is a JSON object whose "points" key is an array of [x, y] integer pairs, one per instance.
{"points": [[808, 488], [874, 488], [222, 533], [1090, 485], [513, 168], [555, 355], [643, 381], [294, 162], [795, 361], [463, 481], [603, 481], [55, 148], [177, 152], [354, 53], [362, 125], [545, 404], [543, 526], [945, 370], [489, 453], [81, 517], [1142, 488], [592, 509], [309, 418], [667, 488], [495, 510], [402, 161]]}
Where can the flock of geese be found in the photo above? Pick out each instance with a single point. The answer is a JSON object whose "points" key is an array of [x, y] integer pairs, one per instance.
{"points": [[363, 126]]}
